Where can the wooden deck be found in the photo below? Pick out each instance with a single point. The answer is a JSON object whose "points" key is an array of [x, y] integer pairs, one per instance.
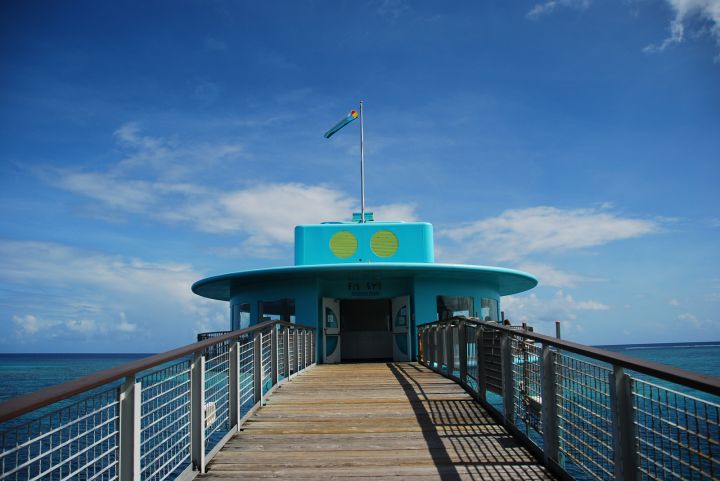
{"points": [[385, 421]]}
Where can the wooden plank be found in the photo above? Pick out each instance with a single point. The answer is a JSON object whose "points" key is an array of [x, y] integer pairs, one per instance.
{"points": [[381, 421]]}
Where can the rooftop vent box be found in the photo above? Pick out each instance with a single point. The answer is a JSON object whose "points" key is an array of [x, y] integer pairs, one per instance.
{"points": [[350, 242]]}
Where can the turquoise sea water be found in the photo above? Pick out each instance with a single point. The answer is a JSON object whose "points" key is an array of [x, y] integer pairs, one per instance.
{"points": [[26, 373], [702, 357]]}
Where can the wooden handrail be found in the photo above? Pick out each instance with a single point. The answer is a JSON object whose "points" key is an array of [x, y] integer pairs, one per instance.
{"points": [[20, 405], [702, 382]]}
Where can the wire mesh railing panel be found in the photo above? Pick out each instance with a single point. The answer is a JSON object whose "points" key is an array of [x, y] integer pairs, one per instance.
{"points": [[281, 354], [492, 360], [526, 369], [246, 368], [306, 351], [79, 441], [165, 422], [584, 415], [292, 351], [677, 435], [312, 347], [471, 355], [217, 394], [300, 349], [266, 350], [455, 339]]}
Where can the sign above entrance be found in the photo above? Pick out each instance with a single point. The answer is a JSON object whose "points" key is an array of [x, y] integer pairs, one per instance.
{"points": [[364, 288]]}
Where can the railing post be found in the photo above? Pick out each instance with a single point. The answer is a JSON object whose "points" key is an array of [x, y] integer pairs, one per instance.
{"points": [[257, 367], [286, 343], [296, 347], [130, 411], [307, 348], [508, 389], [623, 426], [234, 384], [197, 411], [462, 346], [427, 347], [274, 355], [549, 405], [480, 353], [449, 354], [437, 336], [302, 349]]}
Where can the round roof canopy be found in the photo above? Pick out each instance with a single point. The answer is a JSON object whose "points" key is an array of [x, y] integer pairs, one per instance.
{"points": [[507, 281]]}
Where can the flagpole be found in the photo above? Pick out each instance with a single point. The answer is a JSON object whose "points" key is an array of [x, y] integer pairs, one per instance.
{"points": [[362, 167]]}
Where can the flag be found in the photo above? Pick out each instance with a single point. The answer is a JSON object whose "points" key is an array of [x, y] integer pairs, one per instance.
{"points": [[350, 117]]}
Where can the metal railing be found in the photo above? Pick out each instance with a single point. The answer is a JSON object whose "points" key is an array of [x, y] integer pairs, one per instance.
{"points": [[586, 412], [159, 418]]}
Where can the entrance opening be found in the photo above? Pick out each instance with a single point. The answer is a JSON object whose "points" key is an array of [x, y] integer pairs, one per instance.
{"points": [[366, 330]]}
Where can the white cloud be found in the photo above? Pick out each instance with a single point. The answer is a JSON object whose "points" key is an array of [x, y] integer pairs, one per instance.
{"points": [[266, 212], [550, 276], [705, 12], [392, 9], [517, 233], [167, 158], [156, 295], [709, 325], [124, 325], [29, 324], [84, 326], [674, 302], [549, 6], [115, 192], [561, 307]]}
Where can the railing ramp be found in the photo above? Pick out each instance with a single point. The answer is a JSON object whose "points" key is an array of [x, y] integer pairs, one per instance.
{"points": [[588, 413], [162, 417]]}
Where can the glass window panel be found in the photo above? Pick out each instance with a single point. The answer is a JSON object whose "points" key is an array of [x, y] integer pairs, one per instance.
{"points": [[451, 306], [489, 310], [279, 310], [241, 316]]}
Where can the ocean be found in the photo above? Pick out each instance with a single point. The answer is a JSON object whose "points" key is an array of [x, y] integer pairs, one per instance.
{"points": [[25, 373]]}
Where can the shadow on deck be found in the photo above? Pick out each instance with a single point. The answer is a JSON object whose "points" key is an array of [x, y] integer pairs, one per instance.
{"points": [[381, 421]]}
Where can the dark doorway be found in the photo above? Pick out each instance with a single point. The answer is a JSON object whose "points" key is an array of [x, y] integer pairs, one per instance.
{"points": [[365, 330]]}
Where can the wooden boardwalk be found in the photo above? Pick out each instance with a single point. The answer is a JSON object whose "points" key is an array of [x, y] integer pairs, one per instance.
{"points": [[383, 421]]}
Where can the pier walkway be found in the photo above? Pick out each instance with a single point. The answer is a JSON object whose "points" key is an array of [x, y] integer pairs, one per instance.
{"points": [[385, 421]]}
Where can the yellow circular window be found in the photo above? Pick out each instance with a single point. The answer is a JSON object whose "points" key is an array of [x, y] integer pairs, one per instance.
{"points": [[343, 244], [384, 243]]}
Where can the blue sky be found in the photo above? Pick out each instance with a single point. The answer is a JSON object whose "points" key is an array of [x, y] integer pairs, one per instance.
{"points": [[145, 145]]}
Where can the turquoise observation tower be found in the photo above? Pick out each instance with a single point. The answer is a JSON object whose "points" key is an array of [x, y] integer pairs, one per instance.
{"points": [[366, 286]]}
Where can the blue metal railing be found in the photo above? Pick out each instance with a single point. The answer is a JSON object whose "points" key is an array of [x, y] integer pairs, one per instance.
{"points": [[588, 413], [159, 418]]}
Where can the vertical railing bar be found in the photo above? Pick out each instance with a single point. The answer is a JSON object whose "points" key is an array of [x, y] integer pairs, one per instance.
{"points": [[257, 367], [130, 396], [623, 425], [274, 353], [507, 377], [197, 411], [449, 351], [480, 354], [462, 346], [286, 358], [296, 347], [549, 405], [234, 384]]}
